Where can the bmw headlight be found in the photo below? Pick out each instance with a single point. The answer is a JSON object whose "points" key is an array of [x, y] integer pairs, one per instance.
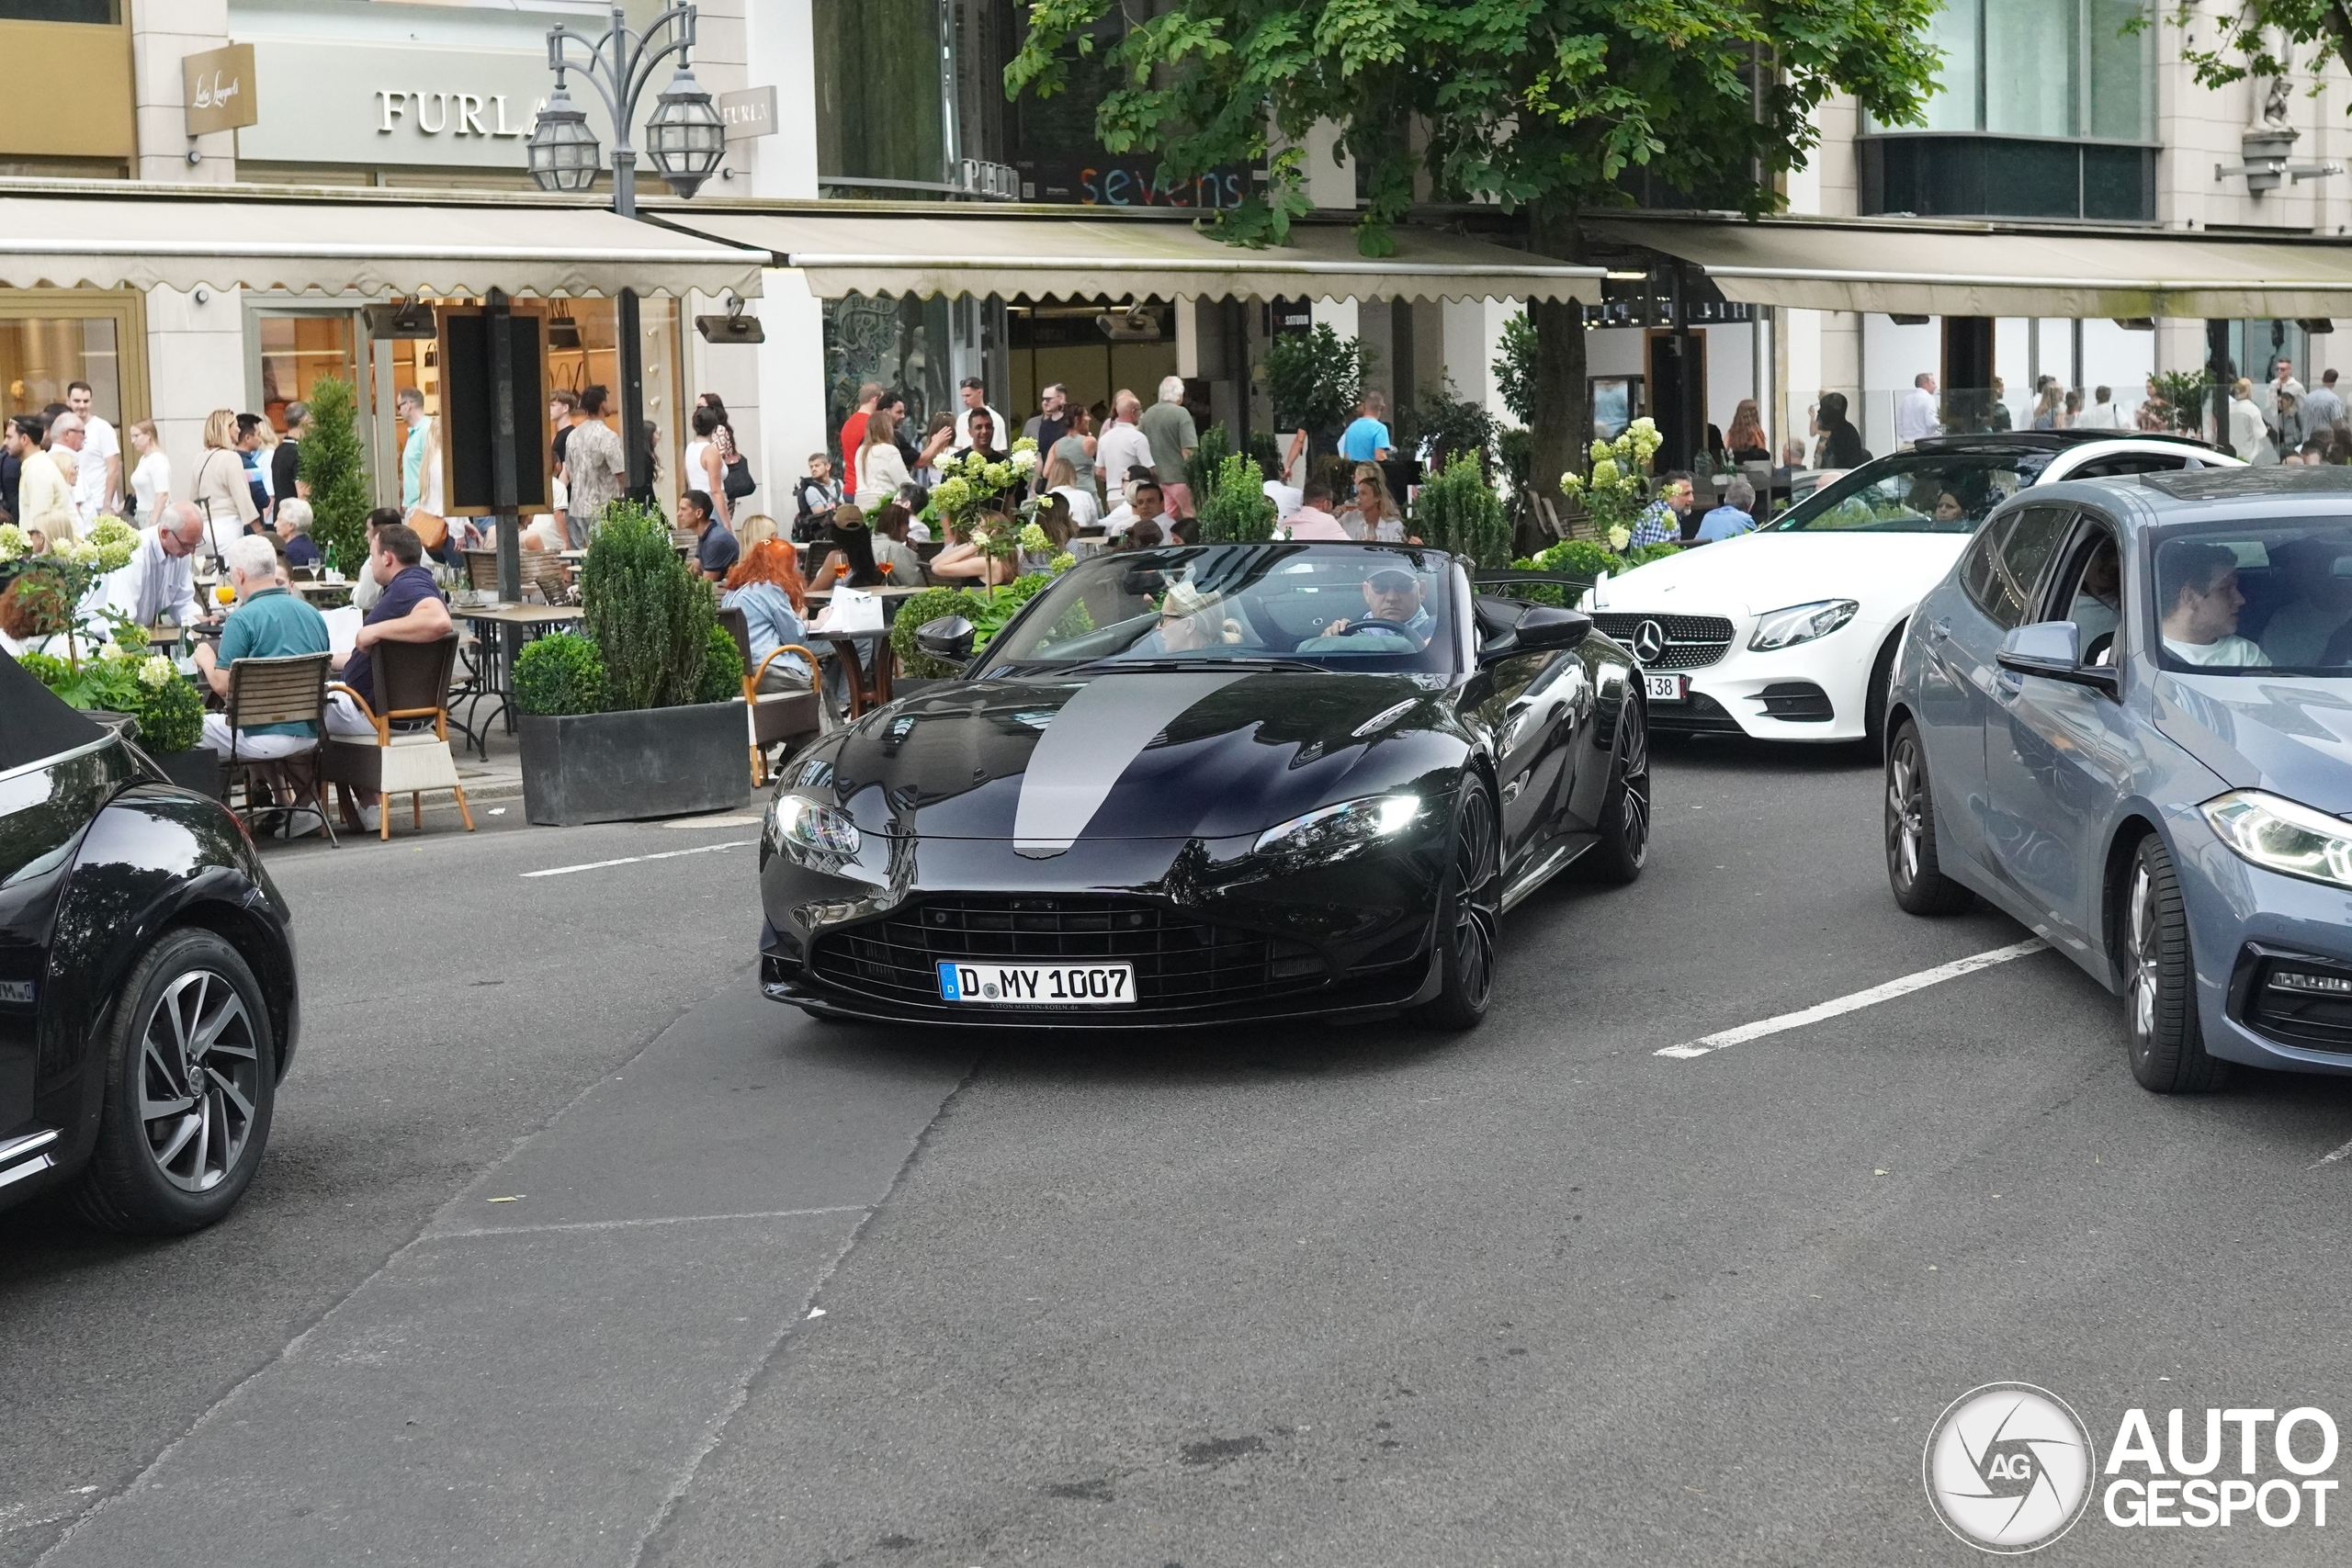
{"points": [[1335, 832], [1801, 623], [2278, 835], [810, 831]]}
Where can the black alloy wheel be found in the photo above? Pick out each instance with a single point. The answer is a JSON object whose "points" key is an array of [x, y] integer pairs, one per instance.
{"points": [[1920, 886], [1625, 844], [2165, 1040], [191, 1082], [1469, 912]]}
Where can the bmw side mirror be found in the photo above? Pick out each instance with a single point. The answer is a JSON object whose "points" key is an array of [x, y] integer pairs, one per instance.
{"points": [[947, 640], [2053, 649]]}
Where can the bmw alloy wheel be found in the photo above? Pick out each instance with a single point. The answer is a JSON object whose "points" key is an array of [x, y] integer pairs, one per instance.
{"points": [[1904, 808], [198, 1078], [2144, 957]]}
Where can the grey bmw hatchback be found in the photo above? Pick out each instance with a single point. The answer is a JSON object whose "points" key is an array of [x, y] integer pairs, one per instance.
{"points": [[2125, 718]]}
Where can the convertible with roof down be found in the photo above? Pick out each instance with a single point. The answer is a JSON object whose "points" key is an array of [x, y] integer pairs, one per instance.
{"points": [[1201, 784]]}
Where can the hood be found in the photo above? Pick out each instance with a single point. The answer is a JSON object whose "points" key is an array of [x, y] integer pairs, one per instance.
{"points": [[1749, 574], [2290, 735], [1159, 755]]}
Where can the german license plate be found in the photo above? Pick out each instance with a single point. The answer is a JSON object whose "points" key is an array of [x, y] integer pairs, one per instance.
{"points": [[1667, 688], [1039, 985]]}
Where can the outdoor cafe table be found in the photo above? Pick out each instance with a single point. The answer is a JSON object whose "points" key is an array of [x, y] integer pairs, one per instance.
{"points": [[500, 631], [324, 595]]}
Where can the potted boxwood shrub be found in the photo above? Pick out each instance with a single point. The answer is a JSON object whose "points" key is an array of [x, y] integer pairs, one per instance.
{"points": [[148, 689], [642, 716]]}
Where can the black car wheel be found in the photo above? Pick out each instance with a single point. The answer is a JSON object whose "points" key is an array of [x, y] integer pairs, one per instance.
{"points": [[191, 1080], [2167, 1043], [1469, 913], [1920, 886], [1624, 845], [1874, 697]]}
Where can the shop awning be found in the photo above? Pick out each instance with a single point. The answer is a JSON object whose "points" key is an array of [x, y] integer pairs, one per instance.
{"points": [[375, 248], [1043, 256], [1868, 265]]}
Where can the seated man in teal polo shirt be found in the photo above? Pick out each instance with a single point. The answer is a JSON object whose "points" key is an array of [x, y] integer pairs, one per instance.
{"points": [[267, 622]]}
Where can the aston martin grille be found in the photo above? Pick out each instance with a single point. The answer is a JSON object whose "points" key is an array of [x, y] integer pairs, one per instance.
{"points": [[1689, 642], [1179, 963]]}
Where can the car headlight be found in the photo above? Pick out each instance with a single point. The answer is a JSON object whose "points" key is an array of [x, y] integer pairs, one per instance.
{"points": [[1335, 832], [810, 830], [1801, 623], [2281, 836]]}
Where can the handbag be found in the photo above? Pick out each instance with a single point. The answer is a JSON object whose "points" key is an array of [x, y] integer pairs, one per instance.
{"points": [[855, 610], [431, 528], [738, 482]]}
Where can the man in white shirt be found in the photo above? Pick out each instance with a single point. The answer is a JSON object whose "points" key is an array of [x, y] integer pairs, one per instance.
{"points": [[976, 400], [1915, 413], [2199, 583], [2102, 415], [1121, 446], [1144, 505], [159, 578], [102, 449]]}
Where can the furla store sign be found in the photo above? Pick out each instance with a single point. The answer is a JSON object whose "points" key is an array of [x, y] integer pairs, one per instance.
{"points": [[373, 105]]}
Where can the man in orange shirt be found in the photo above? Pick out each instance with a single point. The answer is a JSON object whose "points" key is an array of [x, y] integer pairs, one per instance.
{"points": [[869, 398]]}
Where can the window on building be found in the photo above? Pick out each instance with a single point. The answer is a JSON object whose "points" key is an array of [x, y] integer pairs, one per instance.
{"points": [[296, 351], [102, 13], [52, 338]]}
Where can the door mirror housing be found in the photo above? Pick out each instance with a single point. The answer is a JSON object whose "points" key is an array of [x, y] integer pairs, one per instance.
{"points": [[1509, 627], [2053, 649], [947, 640]]}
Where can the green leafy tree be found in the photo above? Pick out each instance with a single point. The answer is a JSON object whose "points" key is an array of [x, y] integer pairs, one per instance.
{"points": [[1315, 379], [649, 612], [1538, 106], [334, 466], [1237, 510], [1457, 512], [1514, 369], [2261, 38]]}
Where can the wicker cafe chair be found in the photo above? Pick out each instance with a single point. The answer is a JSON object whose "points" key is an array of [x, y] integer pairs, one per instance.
{"points": [[291, 690], [775, 718], [412, 681], [549, 573]]}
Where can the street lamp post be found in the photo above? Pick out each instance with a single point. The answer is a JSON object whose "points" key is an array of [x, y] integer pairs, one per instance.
{"points": [[684, 136]]}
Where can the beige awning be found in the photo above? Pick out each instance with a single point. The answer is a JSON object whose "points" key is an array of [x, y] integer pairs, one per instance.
{"points": [[374, 248], [1040, 255], [1870, 264]]}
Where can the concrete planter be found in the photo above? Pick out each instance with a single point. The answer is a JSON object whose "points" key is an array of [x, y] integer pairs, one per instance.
{"points": [[618, 767]]}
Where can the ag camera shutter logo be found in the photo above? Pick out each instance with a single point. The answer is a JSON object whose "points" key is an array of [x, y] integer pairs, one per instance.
{"points": [[2009, 1468]]}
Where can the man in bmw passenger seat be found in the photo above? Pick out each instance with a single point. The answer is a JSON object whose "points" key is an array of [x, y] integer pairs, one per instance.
{"points": [[1393, 596], [2200, 620]]}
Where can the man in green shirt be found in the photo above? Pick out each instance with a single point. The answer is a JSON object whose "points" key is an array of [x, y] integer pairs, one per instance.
{"points": [[1168, 425], [267, 622]]}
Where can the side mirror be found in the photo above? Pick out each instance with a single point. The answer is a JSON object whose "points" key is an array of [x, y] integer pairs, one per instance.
{"points": [[2053, 649], [1511, 626], [947, 640]]}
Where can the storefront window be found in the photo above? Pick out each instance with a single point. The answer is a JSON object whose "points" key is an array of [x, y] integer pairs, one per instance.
{"points": [[100, 13], [40, 358], [899, 344], [880, 102], [296, 351], [2042, 68]]}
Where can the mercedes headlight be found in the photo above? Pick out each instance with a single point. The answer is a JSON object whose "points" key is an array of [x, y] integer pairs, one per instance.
{"points": [[2278, 835], [810, 831], [1801, 623], [1335, 832]]}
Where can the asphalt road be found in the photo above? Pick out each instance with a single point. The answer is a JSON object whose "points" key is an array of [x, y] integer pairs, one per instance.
{"points": [[572, 1251]]}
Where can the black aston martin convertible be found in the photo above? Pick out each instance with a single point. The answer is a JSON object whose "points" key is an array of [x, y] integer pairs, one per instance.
{"points": [[147, 996], [1201, 784]]}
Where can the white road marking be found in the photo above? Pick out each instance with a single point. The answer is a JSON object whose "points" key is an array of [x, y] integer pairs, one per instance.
{"points": [[1859, 1000], [656, 1220], [632, 860], [2331, 1159]]}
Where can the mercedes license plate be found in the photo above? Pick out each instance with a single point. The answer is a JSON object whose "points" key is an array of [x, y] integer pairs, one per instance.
{"points": [[1039, 985], [1667, 688]]}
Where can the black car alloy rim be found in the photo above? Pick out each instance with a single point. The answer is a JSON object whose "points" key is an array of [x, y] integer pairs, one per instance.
{"points": [[198, 1074], [1906, 810], [1634, 769], [1477, 909]]}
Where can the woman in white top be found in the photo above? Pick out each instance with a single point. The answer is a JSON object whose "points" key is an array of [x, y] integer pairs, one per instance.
{"points": [[151, 481], [2248, 434], [881, 469], [1085, 511], [706, 468]]}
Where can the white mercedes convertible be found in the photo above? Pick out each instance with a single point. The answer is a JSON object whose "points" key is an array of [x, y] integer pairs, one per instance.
{"points": [[1789, 633]]}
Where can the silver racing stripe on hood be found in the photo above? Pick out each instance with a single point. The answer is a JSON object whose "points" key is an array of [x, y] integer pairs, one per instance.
{"points": [[1089, 745]]}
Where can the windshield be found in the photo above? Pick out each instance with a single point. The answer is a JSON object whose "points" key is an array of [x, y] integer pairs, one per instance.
{"points": [[2239, 599], [1365, 607], [1915, 492]]}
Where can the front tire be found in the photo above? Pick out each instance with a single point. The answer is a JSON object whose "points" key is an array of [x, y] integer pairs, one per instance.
{"points": [[1625, 844], [191, 1082], [2165, 1040], [1920, 886], [1874, 697], [1469, 913]]}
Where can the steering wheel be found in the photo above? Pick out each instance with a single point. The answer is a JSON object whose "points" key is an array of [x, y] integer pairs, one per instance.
{"points": [[1375, 623]]}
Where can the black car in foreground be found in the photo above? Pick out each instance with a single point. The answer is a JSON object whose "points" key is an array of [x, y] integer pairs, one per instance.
{"points": [[147, 996], [1207, 783]]}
